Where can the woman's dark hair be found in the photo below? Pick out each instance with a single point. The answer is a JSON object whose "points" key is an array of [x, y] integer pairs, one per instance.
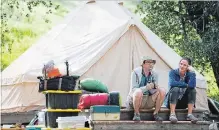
{"points": [[187, 59]]}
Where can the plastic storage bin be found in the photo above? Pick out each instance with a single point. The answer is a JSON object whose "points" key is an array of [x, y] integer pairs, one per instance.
{"points": [[71, 122], [62, 99], [52, 114], [41, 118]]}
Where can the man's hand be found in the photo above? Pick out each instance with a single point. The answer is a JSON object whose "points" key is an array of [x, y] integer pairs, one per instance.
{"points": [[150, 86]]}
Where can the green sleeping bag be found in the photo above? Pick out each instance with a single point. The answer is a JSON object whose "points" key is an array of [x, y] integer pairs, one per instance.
{"points": [[93, 85]]}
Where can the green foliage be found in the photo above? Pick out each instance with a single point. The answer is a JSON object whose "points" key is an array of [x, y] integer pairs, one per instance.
{"points": [[167, 26], [211, 41], [213, 91], [14, 39], [23, 22], [170, 21]]}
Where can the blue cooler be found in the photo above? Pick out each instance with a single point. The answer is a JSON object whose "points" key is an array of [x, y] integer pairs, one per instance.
{"points": [[105, 112]]}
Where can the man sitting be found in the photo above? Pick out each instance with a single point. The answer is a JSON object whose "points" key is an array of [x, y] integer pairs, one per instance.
{"points": [[145, 93]]}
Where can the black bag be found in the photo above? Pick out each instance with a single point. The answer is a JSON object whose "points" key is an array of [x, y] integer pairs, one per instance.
{"points": [[113, 98], [65, 83]]}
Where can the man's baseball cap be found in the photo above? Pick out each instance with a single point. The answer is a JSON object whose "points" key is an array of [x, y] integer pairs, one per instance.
{"points": [[147, 58]]}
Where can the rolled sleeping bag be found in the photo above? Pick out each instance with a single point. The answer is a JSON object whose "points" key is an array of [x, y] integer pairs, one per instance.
{"points": [[93, 85], [88, 100]]}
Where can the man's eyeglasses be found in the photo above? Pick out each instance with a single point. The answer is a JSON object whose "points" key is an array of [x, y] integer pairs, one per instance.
{"points": [[151, 62]]}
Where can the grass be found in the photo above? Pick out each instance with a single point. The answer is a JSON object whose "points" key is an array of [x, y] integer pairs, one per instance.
{"points": [[25, 27]]}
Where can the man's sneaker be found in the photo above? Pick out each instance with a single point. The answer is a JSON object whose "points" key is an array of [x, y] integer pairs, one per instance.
{"points": [[191, 118], [158, 118], [136, 117], [173, 118]]}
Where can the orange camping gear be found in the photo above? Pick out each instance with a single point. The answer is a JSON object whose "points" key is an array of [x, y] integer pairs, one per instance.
{"points": [[54, 73]]}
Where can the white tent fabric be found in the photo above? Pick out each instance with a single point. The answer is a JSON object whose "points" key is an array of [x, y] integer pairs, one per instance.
{"points": [[102, 40]]}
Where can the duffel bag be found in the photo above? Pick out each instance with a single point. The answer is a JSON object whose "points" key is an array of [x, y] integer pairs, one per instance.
{"points": [[93, 85], [88, 100], [114, 98], [65, 83]]}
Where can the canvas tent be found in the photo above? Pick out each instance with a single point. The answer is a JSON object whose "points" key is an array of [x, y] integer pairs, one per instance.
{"points": [[102, 40]]}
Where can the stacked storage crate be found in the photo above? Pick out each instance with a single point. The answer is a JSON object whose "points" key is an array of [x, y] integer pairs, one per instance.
{"points": [[60, 104], [61, 95]]}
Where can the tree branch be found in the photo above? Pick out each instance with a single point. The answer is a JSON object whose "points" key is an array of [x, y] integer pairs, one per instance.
{"points": [[182, 21]]}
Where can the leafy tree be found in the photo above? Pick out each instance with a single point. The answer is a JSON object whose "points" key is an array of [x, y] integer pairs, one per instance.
{"points": [[9, 9], [204, 17], [19, 21], [191, 28]]}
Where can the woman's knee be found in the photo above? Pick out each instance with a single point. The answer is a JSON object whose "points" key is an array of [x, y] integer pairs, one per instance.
{"points": [[191, 96], [173, 95], [192, 90], [175, 89]]}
